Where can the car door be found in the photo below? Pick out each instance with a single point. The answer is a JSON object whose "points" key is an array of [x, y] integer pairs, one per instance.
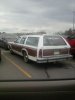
{"points": [[32, 45], [15, 44], [21, 44]]}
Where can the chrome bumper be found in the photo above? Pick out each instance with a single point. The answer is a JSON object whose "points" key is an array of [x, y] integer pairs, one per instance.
{"points": [[54, 58]]}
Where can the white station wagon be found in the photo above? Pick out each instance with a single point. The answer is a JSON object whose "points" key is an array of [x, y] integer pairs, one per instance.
{"points": [[41, 48]]}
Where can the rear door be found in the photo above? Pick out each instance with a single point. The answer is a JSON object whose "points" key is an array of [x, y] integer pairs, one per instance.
{"points": [[32, 45]]}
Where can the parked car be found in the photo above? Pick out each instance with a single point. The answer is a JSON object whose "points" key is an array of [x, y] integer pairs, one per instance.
{"points": [[41, 48], [4, 43], [71, 41], [0, 54]]}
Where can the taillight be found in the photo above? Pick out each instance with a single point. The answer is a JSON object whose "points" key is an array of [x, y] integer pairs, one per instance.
{"points": [[64, 51]]}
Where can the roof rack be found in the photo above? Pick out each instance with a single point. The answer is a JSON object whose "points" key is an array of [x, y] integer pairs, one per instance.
{"points": [[35, 33]]}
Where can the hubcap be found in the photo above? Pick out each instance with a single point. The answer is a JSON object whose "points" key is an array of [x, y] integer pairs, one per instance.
{"points": [[25, 57]]}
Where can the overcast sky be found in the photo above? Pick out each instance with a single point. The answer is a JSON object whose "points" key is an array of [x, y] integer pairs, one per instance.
{"points": [[36, 15]]}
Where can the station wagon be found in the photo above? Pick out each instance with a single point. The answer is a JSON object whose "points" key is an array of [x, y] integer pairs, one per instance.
{"points": [[41, 48]]}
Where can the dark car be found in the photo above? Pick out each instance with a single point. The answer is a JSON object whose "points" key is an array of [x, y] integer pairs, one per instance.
{"points": [[0, 54], [71, 41], [4, 43]]}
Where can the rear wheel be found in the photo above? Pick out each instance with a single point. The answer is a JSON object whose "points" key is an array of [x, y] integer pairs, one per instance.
{"points": [[0, 58], [10, 50], [25, 56], [0, 55]]}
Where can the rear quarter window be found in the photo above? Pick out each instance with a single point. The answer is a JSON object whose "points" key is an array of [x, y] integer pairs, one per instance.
{"points": [[53, 41]]}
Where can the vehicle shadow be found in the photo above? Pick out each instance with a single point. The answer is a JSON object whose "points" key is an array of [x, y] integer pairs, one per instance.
{"points": [[50, 65], [74, 57]]}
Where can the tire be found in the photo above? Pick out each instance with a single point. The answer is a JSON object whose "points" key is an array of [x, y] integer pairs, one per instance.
{"points": [[0, 59], [25, 56], [0, 56], [11, 51]]}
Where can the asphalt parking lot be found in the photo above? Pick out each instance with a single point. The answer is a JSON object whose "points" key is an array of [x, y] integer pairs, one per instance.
{"points": [[12, 67]]}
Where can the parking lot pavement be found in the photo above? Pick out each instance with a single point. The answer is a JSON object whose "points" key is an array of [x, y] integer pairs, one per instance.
{"points": [[12, 67], [8, 71], [62, 71], [15, 64]]}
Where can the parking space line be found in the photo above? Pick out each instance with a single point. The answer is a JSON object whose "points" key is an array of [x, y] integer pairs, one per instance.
{"points": [[19, 67]]}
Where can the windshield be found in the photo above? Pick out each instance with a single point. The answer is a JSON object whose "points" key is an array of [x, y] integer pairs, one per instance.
{"points": [[31, 43]]}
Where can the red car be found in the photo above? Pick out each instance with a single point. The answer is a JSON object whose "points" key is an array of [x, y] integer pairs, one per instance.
{"points": [[71, 41]]}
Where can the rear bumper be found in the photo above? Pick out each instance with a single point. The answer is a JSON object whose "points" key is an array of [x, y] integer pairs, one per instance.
{"points": [[54, 58]]}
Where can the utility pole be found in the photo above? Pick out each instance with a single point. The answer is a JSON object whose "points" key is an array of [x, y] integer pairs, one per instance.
{"points": [[73, 20]]}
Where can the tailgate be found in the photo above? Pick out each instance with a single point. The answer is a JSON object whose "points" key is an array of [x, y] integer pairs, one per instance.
{"points": [[51, 52]]}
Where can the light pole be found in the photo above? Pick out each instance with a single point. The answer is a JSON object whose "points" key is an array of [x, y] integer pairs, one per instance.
{"points": [[73, 20]]}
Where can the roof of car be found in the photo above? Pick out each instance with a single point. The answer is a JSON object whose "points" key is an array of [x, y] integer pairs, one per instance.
{"points": [[38, 35]]}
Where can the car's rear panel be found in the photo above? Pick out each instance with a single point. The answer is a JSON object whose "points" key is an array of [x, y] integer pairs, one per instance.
{"points": [[57, 51], [54, 52]]}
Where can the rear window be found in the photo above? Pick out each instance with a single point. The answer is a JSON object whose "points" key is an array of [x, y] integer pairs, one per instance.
{"points": [[53, 41]]}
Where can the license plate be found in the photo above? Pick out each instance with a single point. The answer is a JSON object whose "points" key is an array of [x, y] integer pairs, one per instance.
{"points": [[56, 53]]}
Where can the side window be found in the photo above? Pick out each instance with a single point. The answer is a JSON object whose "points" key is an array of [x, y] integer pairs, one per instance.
{"points": [[18, 40], [32, 41], [71, 36], [22, 41]]}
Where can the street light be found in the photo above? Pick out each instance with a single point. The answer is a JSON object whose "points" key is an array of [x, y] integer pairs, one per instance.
{"points": [[73, 20]]}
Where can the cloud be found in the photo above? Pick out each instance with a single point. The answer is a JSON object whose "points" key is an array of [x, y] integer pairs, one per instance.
{"points": [[33, 15]]}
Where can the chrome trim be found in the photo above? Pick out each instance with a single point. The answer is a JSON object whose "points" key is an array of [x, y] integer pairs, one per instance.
{"points": [[53, 59]]}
